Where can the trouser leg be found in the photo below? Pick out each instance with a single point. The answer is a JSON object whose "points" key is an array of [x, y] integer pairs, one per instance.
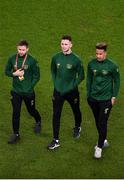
{"points": [[94, 105], [16, 105], [58, 102], [105, 108], [30, 105], [74, 101]]}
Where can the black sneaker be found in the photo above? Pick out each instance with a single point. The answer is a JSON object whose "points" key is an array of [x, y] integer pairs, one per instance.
{"points": [[14, 139], [54, 144], [76, 132], [37, 128]]}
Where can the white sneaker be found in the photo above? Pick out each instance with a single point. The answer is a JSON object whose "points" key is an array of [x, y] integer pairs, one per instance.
{"points": [[98, 153]]}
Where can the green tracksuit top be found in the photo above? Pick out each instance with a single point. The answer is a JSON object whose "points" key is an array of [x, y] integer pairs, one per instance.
{"points": [[31, 74], [67, 72], [103, 79]]}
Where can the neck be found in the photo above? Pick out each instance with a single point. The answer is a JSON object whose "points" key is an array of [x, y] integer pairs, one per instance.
{"points": [[68, 52], [21, 56], [101, 59]]}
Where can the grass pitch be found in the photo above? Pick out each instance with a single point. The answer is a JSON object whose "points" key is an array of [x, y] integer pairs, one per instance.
{"points": [[42, 23]]}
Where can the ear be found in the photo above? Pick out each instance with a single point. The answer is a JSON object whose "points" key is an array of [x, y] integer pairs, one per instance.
{"points": [[105, 53], [71, 45], [27, 49]]}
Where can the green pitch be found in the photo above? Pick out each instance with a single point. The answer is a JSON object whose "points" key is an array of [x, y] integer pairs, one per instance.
{"points": [[42, 23]]}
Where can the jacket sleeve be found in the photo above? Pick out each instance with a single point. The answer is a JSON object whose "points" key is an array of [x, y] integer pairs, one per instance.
{"points": [[9, 69], [36, 73], [116, 81], [53, 69], [80, 73], [89, 80]]}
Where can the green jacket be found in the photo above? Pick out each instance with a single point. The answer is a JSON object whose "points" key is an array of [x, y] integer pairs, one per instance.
{"points": [[31, 74], [103, 79], [67, 72]]}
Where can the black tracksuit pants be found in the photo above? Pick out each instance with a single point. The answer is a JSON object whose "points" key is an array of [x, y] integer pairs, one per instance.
{"points": [[58, 101], [16, 104], [101, 111]]}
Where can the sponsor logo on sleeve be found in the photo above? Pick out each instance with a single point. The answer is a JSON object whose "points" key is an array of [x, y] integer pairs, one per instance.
{"points": [[58, 65]]}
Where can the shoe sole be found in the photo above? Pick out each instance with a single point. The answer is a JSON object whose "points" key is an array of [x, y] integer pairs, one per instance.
{"points": [[52, 148], [97, 157]]}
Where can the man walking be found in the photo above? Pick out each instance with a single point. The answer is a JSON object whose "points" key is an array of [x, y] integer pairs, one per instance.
{"points": [[67, 73], [103, 81], [24, 70]]}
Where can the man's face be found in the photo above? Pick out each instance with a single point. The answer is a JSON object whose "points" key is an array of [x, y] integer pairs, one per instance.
{"points": [[66, 45], [100, 54], [22, 50]]}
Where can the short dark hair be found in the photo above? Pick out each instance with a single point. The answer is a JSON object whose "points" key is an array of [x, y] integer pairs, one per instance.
{"points": [[66, 37], [102, 45], [23, 43]]}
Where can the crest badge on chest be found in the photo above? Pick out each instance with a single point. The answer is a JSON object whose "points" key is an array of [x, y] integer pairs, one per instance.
{"points": [[69, 66], [104, 72]]}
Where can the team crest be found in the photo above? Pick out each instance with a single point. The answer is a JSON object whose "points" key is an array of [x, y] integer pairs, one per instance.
{"points": [[69, 66], [104, 72]]}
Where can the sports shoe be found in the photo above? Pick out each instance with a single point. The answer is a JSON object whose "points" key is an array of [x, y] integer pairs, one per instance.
{"points": [[37, 127], [76, 132], [14, 139], [54, 144], [98, 152]]}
